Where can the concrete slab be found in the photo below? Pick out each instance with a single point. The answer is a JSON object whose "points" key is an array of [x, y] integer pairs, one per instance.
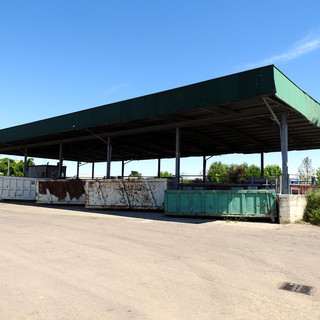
{"points": [[70, 263]]}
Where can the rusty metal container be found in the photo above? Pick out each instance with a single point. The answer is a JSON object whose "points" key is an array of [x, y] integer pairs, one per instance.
{"points": [[61, 191], [131, 194]]}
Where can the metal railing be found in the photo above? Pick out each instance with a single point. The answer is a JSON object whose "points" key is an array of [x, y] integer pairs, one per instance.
{"points": [[300, 186], [196, 182]]}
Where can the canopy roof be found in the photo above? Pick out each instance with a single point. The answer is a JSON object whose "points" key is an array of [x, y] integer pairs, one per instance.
{"points": [[225, 115]]}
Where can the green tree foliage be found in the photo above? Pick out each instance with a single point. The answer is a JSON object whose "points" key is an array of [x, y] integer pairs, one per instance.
{"points": [[234, 173], [318, 176], [305, 170], [165, 174], [223, 173], [272, 170], [312, 211], [15, 168], [253, 171], [218, 172]]}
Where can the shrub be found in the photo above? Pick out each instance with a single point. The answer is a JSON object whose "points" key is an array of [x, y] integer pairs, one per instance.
{"points": [[253, 171], [218, 172], [236, 175], [272, 171], [312, 211], [166, 174]]}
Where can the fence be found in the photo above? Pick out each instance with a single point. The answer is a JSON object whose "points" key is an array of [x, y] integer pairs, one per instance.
{"points": [[196, 182]]}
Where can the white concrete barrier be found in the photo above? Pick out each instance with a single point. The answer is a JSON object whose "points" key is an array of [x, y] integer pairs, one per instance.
{"points": [[137, 194], [17, 188], [291, 207]]}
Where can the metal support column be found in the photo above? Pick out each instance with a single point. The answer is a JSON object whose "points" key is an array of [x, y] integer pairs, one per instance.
{"points": [[177, 173], [122, 169], [78, 169], [92, 172], [284, 153], [25, 163], [262, 164], [109, 154], [204, 170], [60, 161], [159, 167]]}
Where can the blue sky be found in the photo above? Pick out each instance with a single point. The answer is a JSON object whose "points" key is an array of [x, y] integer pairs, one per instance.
{"points": [[63, 56]]}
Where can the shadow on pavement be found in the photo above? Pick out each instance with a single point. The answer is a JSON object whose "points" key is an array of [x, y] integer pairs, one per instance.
{"points": [[140, 214]]}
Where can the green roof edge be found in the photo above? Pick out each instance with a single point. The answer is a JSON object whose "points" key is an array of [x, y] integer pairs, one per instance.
{"points": [[295, 97]]}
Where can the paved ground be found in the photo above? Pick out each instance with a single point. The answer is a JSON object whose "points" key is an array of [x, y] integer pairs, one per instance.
{"points": [[74, 264]]}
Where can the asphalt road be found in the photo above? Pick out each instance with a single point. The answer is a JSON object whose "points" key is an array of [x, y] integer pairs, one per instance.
{"points": [[70, 263]]}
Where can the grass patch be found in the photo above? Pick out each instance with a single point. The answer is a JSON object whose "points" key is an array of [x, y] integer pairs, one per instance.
{"points": [[312, 211]]}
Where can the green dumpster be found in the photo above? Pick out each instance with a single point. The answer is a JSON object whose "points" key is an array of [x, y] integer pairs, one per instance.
{"points": [[213, 203]]}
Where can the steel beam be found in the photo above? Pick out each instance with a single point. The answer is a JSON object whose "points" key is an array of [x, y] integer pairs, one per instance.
{"points": [[262, 164], [159, 167], [60, 160], [122, 168], [78, 169], [92, 172], [204, 169], [178, 144], [109, 154], [284, 152], [189, 123]]}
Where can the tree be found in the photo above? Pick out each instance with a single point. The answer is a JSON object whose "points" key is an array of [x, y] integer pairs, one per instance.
{"points": [[306, 170], [236, 174], [253, 171], [272, 170], [318, 176], [15, 167], [165, 174], [218, 172]]}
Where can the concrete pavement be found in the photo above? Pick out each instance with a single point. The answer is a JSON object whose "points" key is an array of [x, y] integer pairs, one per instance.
{"points": [[71, 263]]}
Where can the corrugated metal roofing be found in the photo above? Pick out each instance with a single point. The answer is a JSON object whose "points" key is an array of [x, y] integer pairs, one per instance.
{"points": [[218, 116]]}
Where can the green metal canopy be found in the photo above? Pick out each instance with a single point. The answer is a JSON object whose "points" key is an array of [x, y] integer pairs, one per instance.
{"points": [[237, 113]]}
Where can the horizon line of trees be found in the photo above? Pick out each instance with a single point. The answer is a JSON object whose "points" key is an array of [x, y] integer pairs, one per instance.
{"points": [[234, 173]]}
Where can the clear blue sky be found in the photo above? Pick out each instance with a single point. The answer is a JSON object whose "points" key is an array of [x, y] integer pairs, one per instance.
{"points": [[61, 56]]}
